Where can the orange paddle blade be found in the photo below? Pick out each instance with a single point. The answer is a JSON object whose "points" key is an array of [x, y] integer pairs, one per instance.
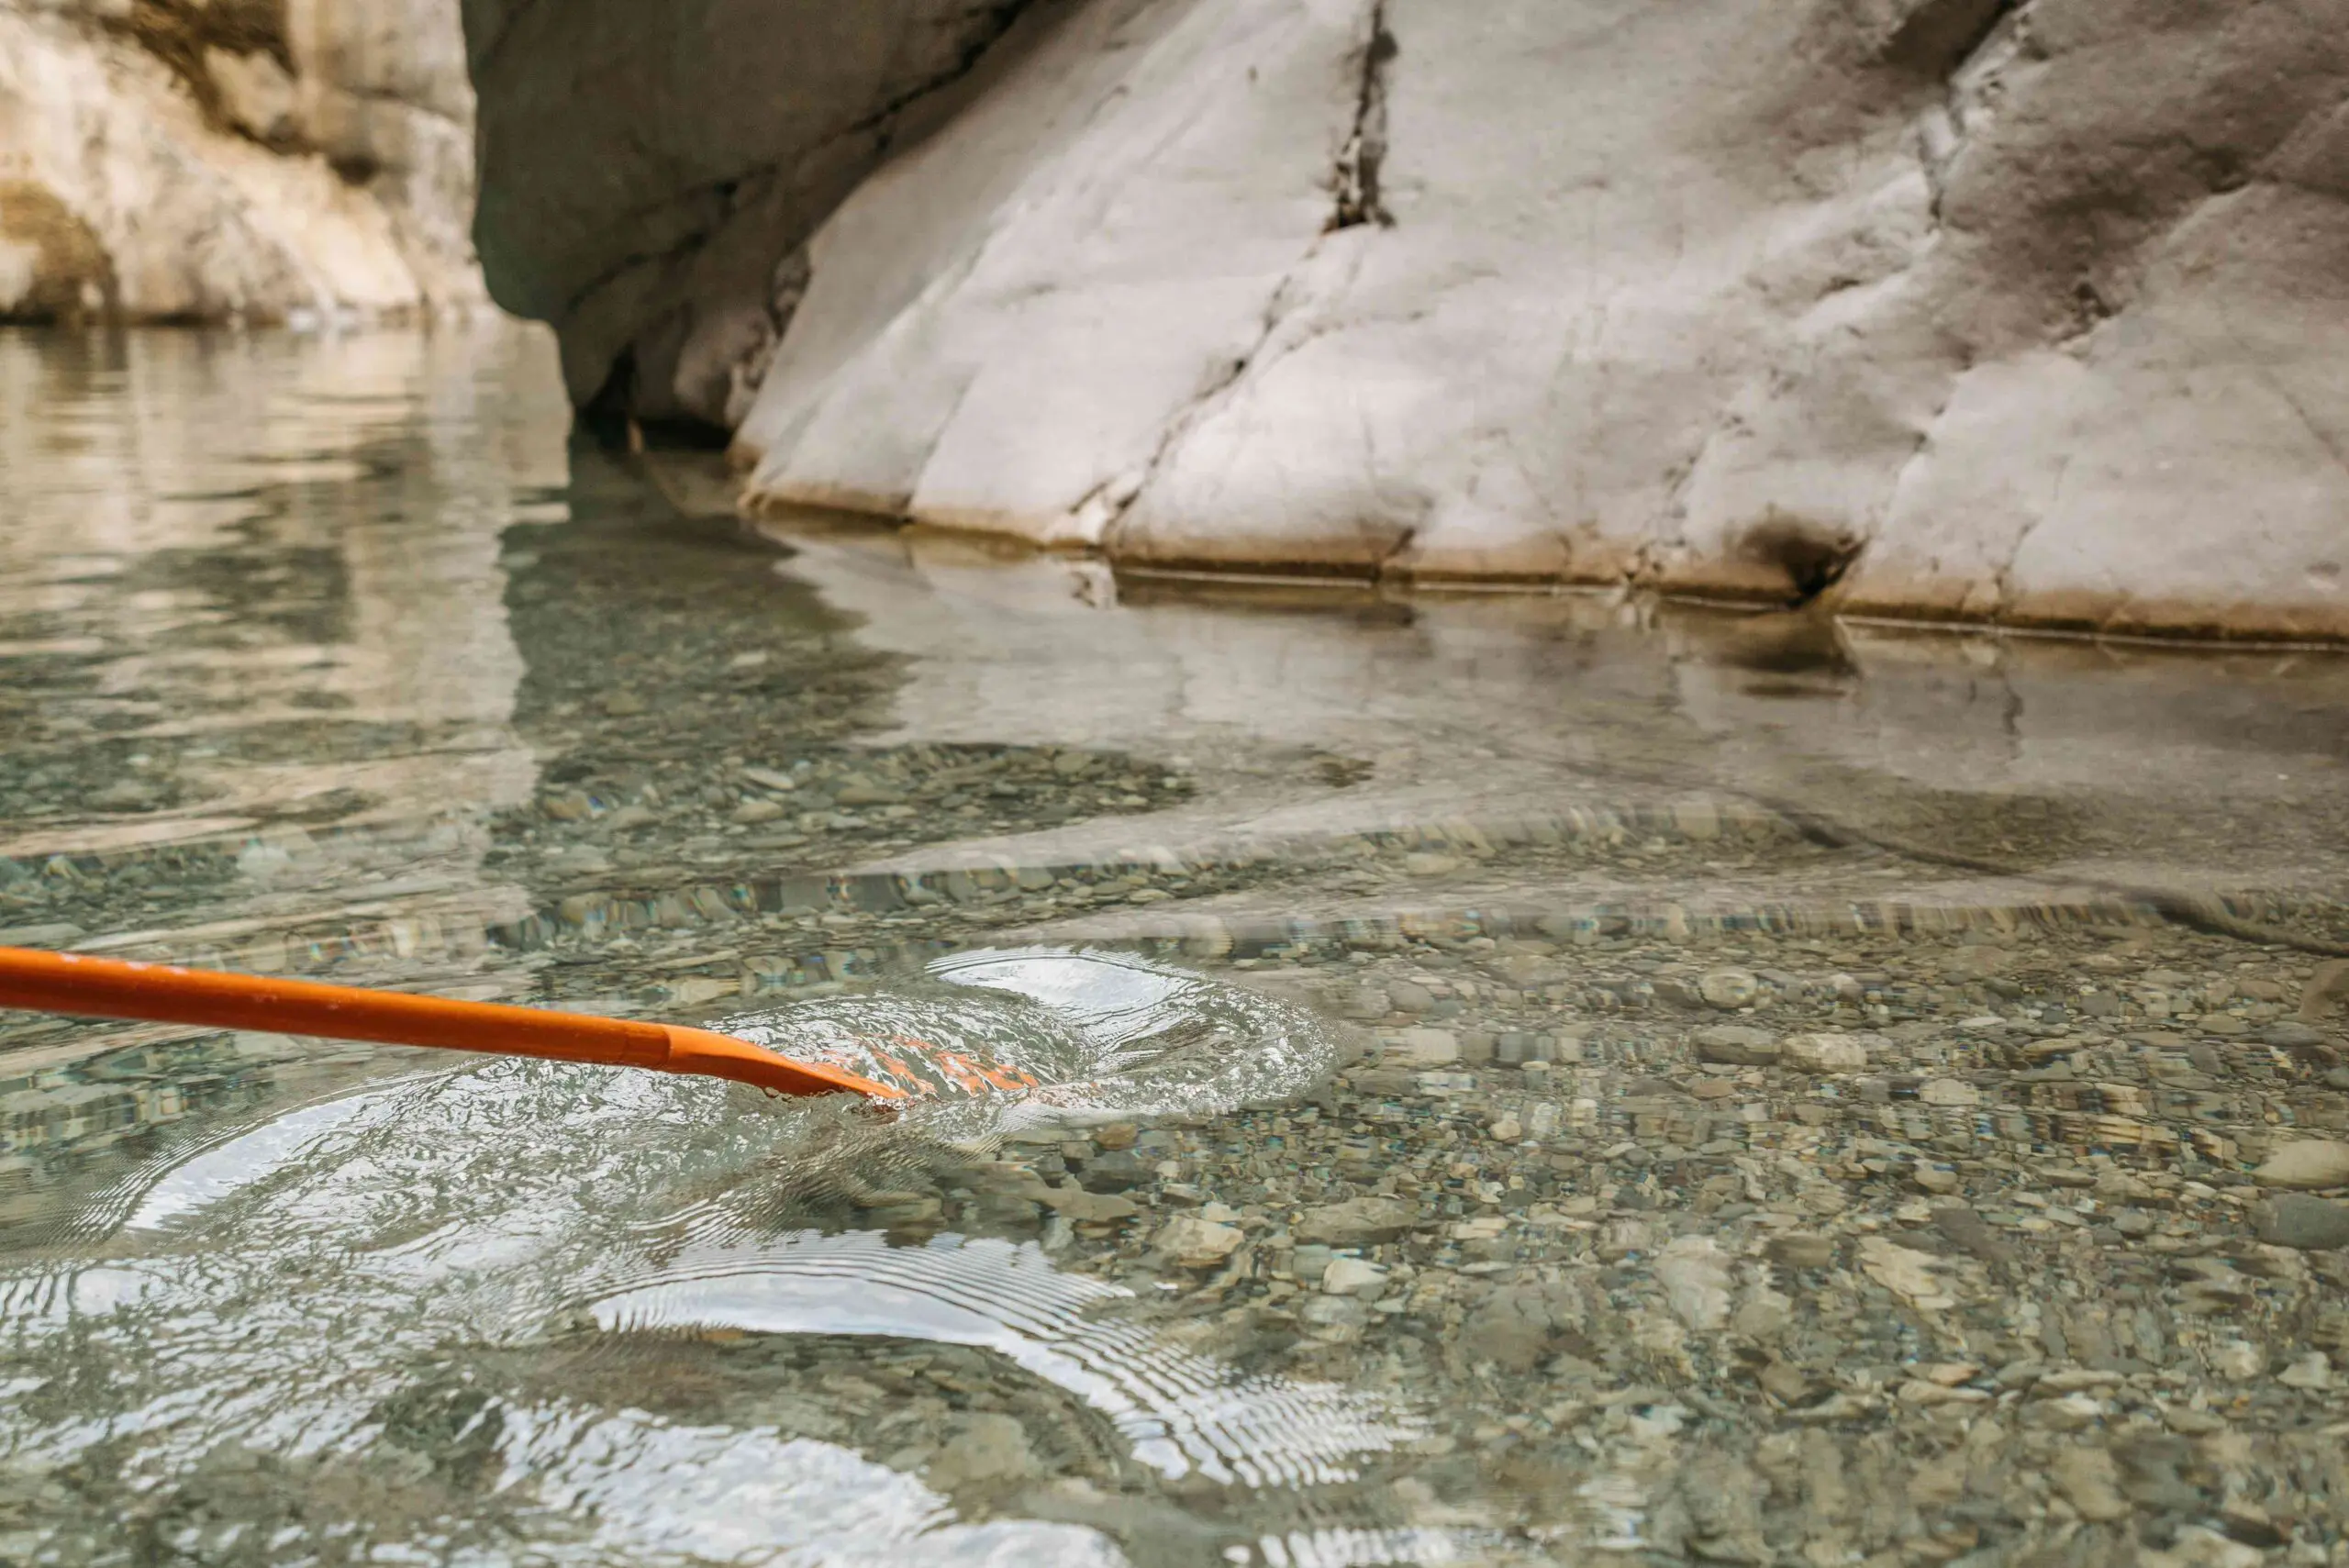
{"points": [[107, 988]]}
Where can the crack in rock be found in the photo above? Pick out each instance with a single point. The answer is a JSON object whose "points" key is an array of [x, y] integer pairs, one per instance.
{"points": [[1970, 82], [1101, 511], [1359, 162], [1116, 497], [748, 372]]}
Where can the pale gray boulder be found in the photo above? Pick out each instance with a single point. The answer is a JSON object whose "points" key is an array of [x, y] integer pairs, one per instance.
{"points": [[2031, 312], [1005, 327]]}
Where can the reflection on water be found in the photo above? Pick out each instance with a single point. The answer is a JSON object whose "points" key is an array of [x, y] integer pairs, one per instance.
{"points": [[253, 666], [449, 1239], [1177, 1413], [1515, 1077], [213, 624]]}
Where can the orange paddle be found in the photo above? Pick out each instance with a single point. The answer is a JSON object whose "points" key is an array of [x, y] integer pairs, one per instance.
{"points": [[107, 988]]}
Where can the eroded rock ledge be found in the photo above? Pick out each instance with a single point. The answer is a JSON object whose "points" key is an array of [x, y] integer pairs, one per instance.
{"points": [[2036, 313], [221, 159]]}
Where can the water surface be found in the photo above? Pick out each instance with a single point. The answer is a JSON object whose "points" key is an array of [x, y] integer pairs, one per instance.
{"points": [[1556, 1074]]}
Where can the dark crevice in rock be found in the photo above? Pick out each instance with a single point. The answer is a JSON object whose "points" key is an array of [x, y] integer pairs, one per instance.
{"points": [[1814, 557], [610, 420], [1960, 46], [2090, 307], [355, 167], [793, 276], [605, 416], [1940, 37], [1390, 560], [1957, 45], [616, 414], [1360, 160]]}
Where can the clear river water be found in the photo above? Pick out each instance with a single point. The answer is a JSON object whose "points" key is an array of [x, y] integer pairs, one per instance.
{"points": [[1520, 1078]]}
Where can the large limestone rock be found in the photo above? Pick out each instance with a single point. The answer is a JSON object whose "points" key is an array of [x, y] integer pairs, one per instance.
{"points": [[1013, 324], [234, 159], [2033, 312]]}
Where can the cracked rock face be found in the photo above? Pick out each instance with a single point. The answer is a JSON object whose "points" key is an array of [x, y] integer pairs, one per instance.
{"points": [[2032, 312], [206, 160]]}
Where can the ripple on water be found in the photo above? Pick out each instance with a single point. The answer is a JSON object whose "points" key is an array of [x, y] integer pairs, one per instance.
{"points": [[1182, 1413], [1035, 1036], [280, 1302]]}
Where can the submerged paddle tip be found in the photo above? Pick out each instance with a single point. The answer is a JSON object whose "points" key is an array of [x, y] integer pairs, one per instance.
{"points": [[715, 1055]]}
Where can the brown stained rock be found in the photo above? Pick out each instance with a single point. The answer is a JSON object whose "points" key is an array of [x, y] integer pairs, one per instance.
{"points": [[1825, 1055], [1360, 1222], [2091, 1481], [1796, 1250], [1195, 1243], [1736, 1045], [211, 160], [1082, 1207], [67, 273], [2307, 1165], [2327, 990], [988, 1449], [1915, 1277]]}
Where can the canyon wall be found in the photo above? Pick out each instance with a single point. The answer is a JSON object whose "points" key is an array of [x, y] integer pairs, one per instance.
{"points": [[2033, 312], [651, 168], [234, 159]]}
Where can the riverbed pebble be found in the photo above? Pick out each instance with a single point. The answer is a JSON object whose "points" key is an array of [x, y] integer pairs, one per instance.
{"points": [[2306, 1165]]}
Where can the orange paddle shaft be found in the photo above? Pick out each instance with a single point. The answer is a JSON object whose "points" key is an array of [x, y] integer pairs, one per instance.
{"points": [[107, 988]]}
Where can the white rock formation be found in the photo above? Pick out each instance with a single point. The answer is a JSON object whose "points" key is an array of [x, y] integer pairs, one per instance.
{"points": [[2035, 312], [259, 160]]}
